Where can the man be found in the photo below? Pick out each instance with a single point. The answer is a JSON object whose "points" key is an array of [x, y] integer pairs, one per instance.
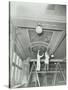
{"points": [[46, 61], [38, 60]]}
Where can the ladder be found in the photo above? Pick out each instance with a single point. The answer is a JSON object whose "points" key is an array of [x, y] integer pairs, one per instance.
{"points": [[35, 73]]}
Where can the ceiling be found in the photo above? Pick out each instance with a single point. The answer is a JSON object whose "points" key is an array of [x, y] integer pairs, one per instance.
{"points": [[26, 16], [27, 43], [38, 11]]}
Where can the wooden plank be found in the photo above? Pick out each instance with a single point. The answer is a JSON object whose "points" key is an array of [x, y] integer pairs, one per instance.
{"points": [[47, 72], [52, 60]]}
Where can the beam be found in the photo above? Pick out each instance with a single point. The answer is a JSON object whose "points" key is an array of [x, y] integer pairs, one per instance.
{"points": [[15, 65], [44, 29]]}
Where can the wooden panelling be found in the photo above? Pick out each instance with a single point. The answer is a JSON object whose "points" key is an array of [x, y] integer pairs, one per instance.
{"points": [[56, 39], [23, 37]]}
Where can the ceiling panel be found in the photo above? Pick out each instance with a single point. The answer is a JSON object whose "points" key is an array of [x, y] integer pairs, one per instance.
{"points": [[44, 37]]}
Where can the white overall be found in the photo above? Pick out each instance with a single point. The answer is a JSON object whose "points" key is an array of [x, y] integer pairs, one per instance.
{"points": [[46, 58], [46, 61], [38, 61]]}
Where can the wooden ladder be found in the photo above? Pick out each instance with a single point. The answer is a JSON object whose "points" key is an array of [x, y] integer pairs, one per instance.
{"points": [[36, 75]]}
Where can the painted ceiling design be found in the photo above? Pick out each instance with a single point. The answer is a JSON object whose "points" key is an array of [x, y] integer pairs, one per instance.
{"points": [[35, 50], [44, 37], [30, 42]]}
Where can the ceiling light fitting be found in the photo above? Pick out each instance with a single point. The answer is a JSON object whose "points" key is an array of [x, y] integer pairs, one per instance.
{"points": [[38, 29]]}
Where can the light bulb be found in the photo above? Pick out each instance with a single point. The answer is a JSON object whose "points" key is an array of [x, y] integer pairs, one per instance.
{"points": [[39, 29]]}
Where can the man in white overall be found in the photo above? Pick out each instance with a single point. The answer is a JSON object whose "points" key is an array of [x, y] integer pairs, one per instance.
{"points": [[46, 61], [38, 61]]}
